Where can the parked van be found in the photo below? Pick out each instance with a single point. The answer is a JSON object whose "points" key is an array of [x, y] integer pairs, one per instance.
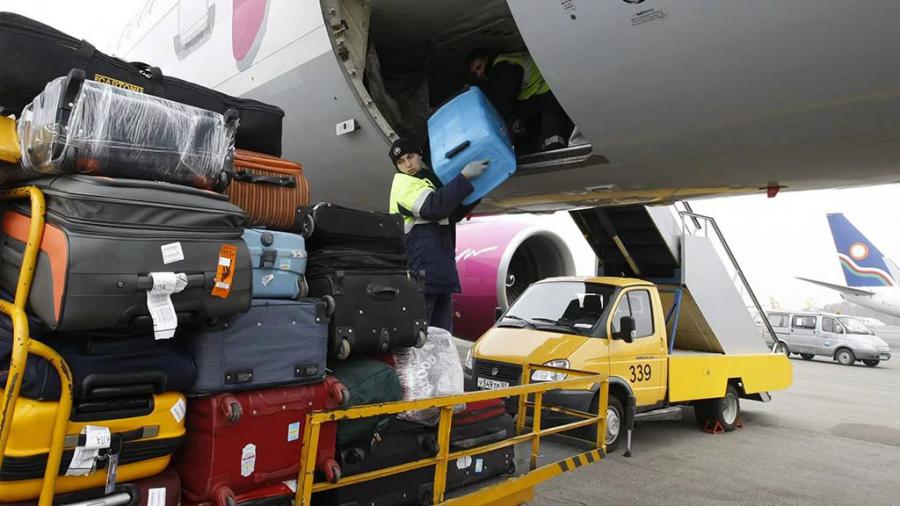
{"points": [[843, 338]]}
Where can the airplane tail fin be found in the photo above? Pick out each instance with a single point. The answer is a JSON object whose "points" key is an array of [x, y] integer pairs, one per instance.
{"points": [[862, 262]]}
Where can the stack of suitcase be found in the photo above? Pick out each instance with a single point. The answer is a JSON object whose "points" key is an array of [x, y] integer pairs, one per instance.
{"points": [[174, 280]]}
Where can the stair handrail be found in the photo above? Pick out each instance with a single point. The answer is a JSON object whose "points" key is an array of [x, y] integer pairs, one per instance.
{"points": [[711, 222]]}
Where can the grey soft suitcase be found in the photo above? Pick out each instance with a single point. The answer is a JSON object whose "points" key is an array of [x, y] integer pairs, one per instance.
{"points": [[276, 343], [103, 238], [279, 263]]}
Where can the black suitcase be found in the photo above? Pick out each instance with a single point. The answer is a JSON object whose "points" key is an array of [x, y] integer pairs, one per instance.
{"points": [[336, 258], [479, 467], [327, 225], [372, 311], [35, 54], [101, 366], [104, 236], [79, 126], [400, 442], [276, 343]]}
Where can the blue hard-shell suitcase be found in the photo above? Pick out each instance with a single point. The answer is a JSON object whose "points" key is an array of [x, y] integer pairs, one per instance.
{"points": [[465, 129], [276, 343], [279, 263]]}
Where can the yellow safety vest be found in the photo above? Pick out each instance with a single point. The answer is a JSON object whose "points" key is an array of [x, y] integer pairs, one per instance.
{"points": [[532, 80], [408, 193]]}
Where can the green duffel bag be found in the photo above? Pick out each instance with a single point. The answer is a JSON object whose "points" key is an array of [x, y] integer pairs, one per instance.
{"points": [[369, 381]]}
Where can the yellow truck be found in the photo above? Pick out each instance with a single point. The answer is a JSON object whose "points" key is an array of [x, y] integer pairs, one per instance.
{"points": [[627, 328]]}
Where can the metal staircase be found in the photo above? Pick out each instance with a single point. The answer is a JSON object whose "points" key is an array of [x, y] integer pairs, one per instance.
{"points": [[687, 255]]}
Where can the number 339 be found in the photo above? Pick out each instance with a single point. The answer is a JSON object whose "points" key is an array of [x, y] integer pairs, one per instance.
{"points": [[640, 372]]}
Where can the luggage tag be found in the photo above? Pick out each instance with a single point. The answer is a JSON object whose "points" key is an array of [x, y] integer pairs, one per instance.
{"points": [[159, 302], [225, 271], [85, 457]]}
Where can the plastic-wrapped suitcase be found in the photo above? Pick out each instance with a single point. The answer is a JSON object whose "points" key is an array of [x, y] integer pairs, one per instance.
{"points": [[465, 129], [23, 76], [327, 225], [240, 441], [81, 126], [164, 489], [104, 237], [279, 263], [269, 189], [101, 365], [481, 423], [400, 442], [277, 342], [369, 381], [144, 437], [371, 310]]}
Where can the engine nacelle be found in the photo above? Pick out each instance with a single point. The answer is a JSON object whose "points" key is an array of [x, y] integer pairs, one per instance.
{"points": [[496, 261]]}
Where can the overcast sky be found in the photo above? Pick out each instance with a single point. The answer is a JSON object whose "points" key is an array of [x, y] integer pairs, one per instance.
{"points": [[774, 239]]}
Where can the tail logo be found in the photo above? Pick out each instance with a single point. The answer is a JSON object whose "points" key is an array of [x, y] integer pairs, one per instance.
{"points": [[859, 251], [873, 273]]}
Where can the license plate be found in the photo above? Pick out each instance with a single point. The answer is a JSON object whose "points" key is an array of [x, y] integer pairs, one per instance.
{"points": [[885, 357], [489, 384]]}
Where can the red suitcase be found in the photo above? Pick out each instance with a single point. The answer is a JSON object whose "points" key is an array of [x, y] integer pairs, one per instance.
{"points": [[164, 489], [479, 411], [277, 494], [237, 442]]}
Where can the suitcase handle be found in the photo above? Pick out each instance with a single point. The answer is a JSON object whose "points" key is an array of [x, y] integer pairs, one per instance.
{"points": [[491, 437], [132, 384], [382, 292], [458, 149], [145, 283], [248, 177]]}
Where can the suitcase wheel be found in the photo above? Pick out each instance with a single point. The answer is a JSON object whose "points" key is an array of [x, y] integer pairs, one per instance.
{"points": [[329, 304], [231, 408], [332, 471], [511, 469], [344, 350], [308, 225], [423, 337], [342, 396]]}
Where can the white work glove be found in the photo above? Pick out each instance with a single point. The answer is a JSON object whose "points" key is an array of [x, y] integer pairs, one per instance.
{"points": [[475, 169]]}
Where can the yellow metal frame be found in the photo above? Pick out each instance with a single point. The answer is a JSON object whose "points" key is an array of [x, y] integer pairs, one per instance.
{"points": [[515, 490], [23, 345]]}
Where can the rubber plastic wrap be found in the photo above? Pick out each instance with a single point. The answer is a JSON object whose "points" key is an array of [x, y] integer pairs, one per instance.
{"points": [[434, 370], [82, 126]]}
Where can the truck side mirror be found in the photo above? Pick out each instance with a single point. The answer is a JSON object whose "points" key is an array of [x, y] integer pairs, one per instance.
{"points": [[626, 330], [498, 312]]}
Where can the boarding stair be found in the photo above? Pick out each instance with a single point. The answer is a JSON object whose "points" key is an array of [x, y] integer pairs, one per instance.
{"points": [[711, 306]]}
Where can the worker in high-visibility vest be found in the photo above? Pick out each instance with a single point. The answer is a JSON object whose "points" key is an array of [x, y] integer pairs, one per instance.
{"points": [[430, 212], [516, 87]]}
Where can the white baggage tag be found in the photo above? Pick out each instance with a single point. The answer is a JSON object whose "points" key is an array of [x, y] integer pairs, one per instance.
{"points": [[84, 458], [159, 302]]}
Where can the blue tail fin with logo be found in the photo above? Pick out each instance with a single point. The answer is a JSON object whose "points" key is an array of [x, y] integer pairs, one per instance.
{"points": [[862, 262]]}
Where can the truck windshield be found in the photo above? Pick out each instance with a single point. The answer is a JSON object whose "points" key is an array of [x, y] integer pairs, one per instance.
{"points": [[855, 326], [564, 305]]}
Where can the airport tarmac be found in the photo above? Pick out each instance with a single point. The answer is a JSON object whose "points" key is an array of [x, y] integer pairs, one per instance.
{"points": [[832, 438]]}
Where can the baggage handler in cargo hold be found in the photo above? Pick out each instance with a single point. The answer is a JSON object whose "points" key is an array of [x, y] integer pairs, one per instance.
{"points": [[430, 212], [517, 89]]}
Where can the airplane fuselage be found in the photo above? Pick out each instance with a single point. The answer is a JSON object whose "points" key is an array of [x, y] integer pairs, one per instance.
{"points": [[678, 99], [884, 300]]}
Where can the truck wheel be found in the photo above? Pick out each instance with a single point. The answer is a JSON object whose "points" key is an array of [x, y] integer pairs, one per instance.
{"points": [[725, 410], [845, 357], [615, 422], [782, 347], [807, 356], [871, 363]]}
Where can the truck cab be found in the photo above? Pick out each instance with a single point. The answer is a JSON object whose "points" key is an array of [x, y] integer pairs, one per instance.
{"points": [[619, 326]]}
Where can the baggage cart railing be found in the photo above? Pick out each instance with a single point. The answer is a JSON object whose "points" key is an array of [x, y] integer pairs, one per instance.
{"points": [[514, 490], [23, 345]]}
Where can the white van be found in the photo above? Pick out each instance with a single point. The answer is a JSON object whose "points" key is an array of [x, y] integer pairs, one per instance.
{"points": [[843, 338]]}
